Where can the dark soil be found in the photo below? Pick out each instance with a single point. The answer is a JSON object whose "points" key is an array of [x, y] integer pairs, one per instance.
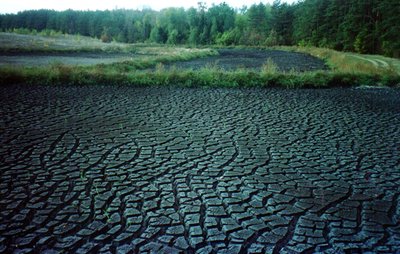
{"points": [[232, 59], [112, 169]]}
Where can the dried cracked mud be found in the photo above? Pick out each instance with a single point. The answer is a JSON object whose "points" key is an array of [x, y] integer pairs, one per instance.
{"points": [[173, 170]]}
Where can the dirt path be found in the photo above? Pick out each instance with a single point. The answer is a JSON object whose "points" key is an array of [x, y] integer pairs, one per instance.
{"points": [[375, 62], [167, 170]]}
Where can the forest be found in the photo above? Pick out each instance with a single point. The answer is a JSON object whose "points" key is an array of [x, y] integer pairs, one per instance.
{"points": [[362, 26]]}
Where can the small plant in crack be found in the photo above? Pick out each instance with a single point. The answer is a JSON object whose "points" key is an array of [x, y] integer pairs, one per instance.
{"points": [[82, 176], [129, 222], [77, 207], [96, 189], [190, 135], [106, 213], [87, 157]]}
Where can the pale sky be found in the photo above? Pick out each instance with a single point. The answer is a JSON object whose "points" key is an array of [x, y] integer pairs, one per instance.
{"points": [[13, 6]]}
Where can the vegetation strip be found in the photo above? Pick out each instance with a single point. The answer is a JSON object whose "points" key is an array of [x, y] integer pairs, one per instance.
{"points": [[205, 77], [148, 68]]}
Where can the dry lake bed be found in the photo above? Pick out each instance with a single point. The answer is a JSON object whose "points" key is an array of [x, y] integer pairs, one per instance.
{"points": [[174, 170]]}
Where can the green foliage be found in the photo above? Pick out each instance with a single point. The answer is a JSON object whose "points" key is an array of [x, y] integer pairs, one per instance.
{"points": [[258, 19], [364, 26], [231, 37], [272, 39], [173, 37], [282, 22], [155, 35], [218, 24], [360, 42]]}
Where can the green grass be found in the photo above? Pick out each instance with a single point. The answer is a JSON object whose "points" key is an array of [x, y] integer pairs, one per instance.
{"points": [[351, 69], [347, 69], [205, 77], [65, 43], [26, 43], [381, 62], [352, 63]]}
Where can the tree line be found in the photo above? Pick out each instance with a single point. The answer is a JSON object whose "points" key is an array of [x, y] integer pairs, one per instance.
{"points": [[364, 26]]}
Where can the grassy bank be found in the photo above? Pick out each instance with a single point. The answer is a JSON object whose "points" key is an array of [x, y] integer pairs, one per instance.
{"points": [[58, 43], [65, 43], [345, 62], [129, 74]]}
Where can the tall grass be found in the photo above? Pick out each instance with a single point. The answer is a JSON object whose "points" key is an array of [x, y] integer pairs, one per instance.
{"points": [[205, 77], [49, 42], [269, 67]]}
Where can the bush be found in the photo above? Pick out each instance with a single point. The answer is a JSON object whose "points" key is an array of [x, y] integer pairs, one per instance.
{"points": [[105, 38]]}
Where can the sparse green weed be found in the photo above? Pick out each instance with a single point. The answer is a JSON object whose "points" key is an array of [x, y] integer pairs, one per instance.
{"points": [[106, 213], [269, 67]]}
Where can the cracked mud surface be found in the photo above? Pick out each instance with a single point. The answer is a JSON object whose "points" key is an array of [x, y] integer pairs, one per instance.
{"points": [[162, 170]]}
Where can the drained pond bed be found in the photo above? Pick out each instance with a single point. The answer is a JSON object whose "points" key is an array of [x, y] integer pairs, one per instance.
{"points": [[171, 170], [253, 59]]}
